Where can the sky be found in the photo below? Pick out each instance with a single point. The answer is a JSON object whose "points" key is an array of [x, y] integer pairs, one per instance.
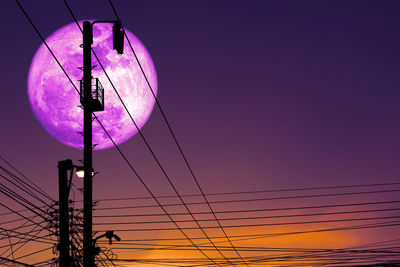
{"points": [[261, 95]]}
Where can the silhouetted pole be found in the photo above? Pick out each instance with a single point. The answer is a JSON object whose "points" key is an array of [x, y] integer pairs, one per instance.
{"points": [[88, 258], [90, 105], [63, 246]]}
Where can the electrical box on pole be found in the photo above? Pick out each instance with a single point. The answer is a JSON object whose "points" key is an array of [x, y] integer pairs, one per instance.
{"points": [[118, 38]]}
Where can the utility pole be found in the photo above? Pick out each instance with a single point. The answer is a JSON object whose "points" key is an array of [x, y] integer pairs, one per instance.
{"points": [[63, 190], [86, 101], [92, 99]]}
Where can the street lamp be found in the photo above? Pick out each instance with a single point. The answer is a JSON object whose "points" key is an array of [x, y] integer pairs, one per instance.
{"points": [[80, 171]]}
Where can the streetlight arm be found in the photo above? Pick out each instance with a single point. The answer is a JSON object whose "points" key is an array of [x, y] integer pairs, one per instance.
{"points": [[109, 235]]}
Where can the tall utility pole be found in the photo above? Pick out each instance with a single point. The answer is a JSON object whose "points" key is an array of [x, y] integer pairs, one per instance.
{"points": [[86, 101], [92, 99], [63, 190]]}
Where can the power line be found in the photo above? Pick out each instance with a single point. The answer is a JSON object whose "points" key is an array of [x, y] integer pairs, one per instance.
{"points": [[254, 217], [251, 210], [261, 236], [14, 196], [257, 199], [142, 136], [175, 140], [26, 241], [27, 234], [17, 262], [254, 191], [24, 190], [35, 252], [229, 258], [116, 146], [260, 224], [20, 210], [38, 189]]}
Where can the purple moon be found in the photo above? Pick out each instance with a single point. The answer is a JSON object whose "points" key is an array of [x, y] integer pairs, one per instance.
{"points": [[56, 103]]}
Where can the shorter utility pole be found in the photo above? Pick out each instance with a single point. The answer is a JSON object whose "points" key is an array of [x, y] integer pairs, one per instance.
{"points": [[63, 190]]}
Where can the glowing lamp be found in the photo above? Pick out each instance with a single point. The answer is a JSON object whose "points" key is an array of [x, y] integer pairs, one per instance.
{"points": [[80, 172]]}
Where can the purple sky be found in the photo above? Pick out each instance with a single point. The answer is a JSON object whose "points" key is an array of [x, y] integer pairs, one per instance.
{"points": [[261, 94]]}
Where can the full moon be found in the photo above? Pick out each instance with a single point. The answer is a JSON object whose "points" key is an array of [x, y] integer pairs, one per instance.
{"points": [[56, 103]]}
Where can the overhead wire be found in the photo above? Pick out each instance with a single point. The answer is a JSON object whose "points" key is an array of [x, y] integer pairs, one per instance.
{"points": [[253, 218], [17, 262], [101, 125], [259, 224], [279, 234], [24, 242], [255, 199], [14, 196], [140, 133], [71, 81], [285, 208], [38, 189], [34, 253], [175, 140], [252, 192], [24, 190]]}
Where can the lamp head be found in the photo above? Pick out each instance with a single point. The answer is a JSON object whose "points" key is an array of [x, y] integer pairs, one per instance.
{"points": [[80, 171]]}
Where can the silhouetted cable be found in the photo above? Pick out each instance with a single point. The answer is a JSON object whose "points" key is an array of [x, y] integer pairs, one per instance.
{"points": [[258, 225], [27, 191], [346, 228], [141, 134], [254, 217], [251, 210], [20, 213], [22, 185], [269, 235], [17, 234], [124, 157], [256, 199], [253, 192], [44, 263], [35, 239], [354, 248], [10, 247], [16, 262], [295, 258], [107, 257], [34, 253], [155, 199], [24, 242], [16, 220], [259, 249], [174, 137], [20, 210], [38, 189], [12, 196]]}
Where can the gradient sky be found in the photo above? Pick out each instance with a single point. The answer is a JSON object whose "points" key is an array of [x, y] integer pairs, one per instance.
{"points": [[261, 94]]}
